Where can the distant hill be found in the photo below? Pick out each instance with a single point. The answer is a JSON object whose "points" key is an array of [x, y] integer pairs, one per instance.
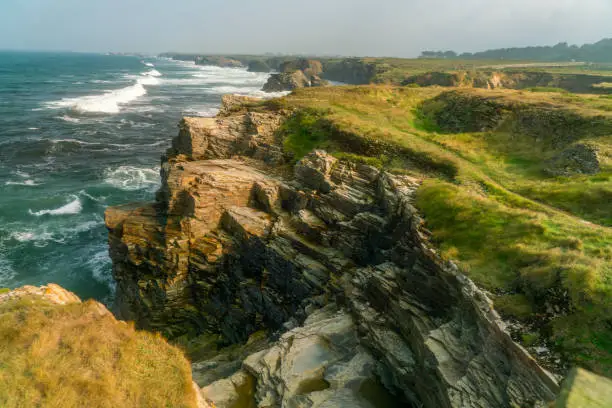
{"points": [[600, 51]]}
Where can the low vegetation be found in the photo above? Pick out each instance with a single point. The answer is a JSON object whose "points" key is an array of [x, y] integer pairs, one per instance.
{"points": [[75, 356], [540, 244]]}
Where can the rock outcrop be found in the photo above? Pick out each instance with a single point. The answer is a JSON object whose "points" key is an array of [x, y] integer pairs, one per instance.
{"points": [[258, 66], [354, 71], [218, 61], [319, 364], [288, 81], [552, 126], [301, 73], [333, 255], [51, 292], [310, 68], [577, 159]]}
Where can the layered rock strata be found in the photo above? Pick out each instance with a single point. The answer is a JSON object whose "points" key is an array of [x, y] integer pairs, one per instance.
{"points": [[333, 255]]}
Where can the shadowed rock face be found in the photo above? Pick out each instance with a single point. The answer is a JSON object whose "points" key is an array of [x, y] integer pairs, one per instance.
{"points": [[577, 159], [333, 255], [300, 73], [288, 81]]}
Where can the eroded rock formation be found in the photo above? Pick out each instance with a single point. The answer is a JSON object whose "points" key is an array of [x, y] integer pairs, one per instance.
{"points": [[333, 255], [300, 73]]}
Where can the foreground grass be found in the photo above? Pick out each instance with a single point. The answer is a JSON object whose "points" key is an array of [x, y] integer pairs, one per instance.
{"points": [[522, 235], [73, 356]]}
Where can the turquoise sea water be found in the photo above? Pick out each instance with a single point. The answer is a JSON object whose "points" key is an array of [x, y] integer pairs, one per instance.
{"points": [[78, 133]]}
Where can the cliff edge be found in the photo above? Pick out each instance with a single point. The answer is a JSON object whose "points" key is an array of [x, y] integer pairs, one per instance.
{"points": [[330, 255]]}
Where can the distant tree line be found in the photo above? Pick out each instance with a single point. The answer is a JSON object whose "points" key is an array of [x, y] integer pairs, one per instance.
{"points": [[599, 52]]}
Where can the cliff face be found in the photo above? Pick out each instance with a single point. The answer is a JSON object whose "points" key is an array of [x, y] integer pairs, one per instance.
{"points": [[330, 252], [300, 73], [350, 70]]}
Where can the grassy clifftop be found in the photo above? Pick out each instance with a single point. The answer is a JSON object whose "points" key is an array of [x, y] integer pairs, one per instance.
{"points": [[77, 355], [540, 243]]}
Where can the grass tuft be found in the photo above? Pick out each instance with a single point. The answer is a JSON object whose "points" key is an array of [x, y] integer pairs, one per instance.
{"points": [[73, 356]]}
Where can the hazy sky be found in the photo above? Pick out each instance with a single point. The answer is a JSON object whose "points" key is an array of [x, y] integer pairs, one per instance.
{"points": [[347, 27]]}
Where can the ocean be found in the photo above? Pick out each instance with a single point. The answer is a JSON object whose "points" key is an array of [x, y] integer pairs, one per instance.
{"points": [[78, 133]]}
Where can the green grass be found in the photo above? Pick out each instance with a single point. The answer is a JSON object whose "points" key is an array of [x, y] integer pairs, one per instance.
{"points": [[303, 132], [74, 356], [4, 290], [522, 235], [546, 89]]}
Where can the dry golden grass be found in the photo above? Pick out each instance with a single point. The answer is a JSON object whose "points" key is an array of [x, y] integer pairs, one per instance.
{"points": [[75, 356]]}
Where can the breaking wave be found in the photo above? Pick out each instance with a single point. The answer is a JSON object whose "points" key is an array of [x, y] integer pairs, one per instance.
{"points": [[111, 101], [73, 207], [130, 178], [28, 183], [42, 236]]}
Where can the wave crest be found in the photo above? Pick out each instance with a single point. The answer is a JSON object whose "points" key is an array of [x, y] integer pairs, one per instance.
{"points": [[73, 207], [110, 102], [130, 178]]}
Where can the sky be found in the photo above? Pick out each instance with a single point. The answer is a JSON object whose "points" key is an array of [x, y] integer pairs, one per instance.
{"points": [[400, 28]]}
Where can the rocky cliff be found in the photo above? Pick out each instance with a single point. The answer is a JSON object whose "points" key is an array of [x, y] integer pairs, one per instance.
{"points": [[328, 259], [299, 73]]}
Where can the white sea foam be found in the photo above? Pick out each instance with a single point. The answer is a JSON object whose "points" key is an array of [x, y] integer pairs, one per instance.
{"points": [[205, 112], [148, 64], [137, 125], [6, 271], [42, 236], [130, 178], [73, 207], [153, 73], [29, 183], [69, 119], [55, 141], [83, 143], [100, 266], [22, 174], [111, 101], [33, 128], [32, 236], [246, 91], [96, 199]]}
